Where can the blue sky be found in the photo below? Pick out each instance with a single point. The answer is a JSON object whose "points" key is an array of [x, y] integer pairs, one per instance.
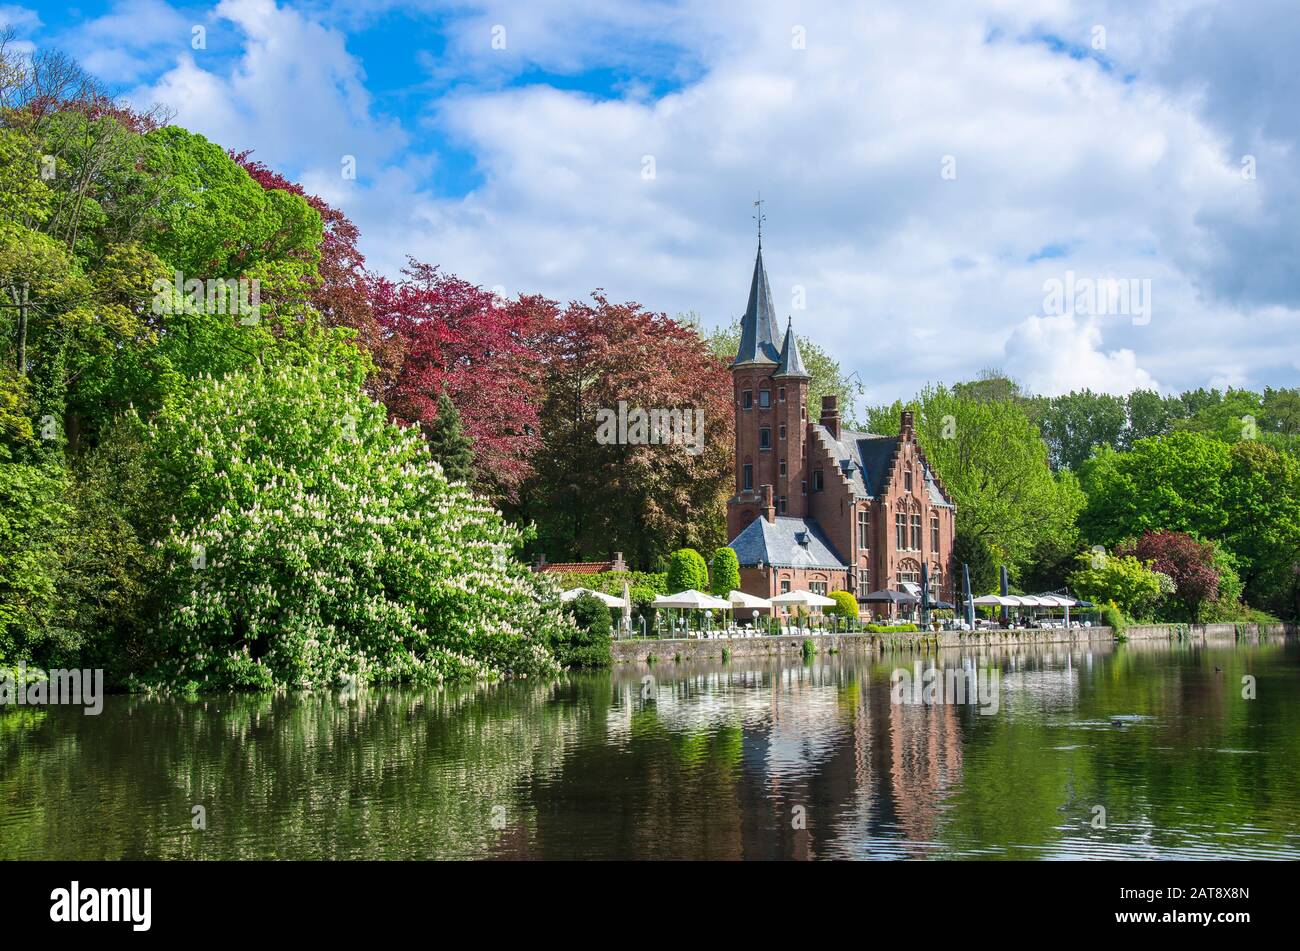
{"points": [[927, 169]]}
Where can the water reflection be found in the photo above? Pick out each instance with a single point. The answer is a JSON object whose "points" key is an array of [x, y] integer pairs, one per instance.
{"points": [[696, 760]]}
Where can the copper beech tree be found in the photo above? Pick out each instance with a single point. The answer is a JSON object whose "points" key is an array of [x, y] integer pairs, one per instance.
{"points": [[642, 496], [462, 340]]}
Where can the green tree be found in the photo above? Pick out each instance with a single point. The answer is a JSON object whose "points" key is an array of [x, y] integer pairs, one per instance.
{"points": [[992, 460], [845, 605], [217, 221], [687, 570], [974, 552], [1234, 416], [1149, 415], [589, 643], [1175, 482], [315, 540], [448, 443], [1076, 422], [1136, 589], [33, 516], [726, 572], [1261, 497]]}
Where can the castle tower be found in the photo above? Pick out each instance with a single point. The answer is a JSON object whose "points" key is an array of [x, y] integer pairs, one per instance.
{"points": [[770, 389]]}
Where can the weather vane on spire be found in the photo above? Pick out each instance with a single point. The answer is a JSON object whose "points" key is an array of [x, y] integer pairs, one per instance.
{"points": [[760, 218]]}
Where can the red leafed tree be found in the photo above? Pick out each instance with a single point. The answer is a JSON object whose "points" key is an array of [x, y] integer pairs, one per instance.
{"points": [[460, 339], [589, 496], [342, 292], [1189, 562]]}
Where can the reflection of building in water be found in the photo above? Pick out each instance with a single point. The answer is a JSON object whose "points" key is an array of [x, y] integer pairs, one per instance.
{"points": [[868, 776], [925, 762]]}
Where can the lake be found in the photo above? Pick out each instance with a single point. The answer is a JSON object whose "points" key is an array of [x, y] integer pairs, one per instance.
{"points": [[749, 760]]}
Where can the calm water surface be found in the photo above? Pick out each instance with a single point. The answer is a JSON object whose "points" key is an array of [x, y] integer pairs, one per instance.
{"points": [[693, 760]]}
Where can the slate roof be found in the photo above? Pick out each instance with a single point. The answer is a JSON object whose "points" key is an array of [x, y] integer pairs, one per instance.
{"points": [[791, 360], [758, 330], [786, 542], [865, 458]]}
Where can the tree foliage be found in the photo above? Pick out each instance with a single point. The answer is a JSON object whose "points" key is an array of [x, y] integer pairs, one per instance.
{"points": [[726, 572], [448, 443], [1190, 563], [589, 495], [461, 340], [993, 462], [687, 571], [316, 540], [845, 605], [1133, 587]]}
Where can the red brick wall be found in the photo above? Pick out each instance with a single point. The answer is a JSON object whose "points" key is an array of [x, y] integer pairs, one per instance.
{"points": [[898, 499]]}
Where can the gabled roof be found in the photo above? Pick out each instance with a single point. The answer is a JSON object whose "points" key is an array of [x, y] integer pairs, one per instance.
{"points": [[866, 460], [791, 360], [758, 327], [785, 542]]}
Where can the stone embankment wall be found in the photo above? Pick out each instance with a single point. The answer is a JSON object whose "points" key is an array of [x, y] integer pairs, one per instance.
{"points": [[1084, 637]]}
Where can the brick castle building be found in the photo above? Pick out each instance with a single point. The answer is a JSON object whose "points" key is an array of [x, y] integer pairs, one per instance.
{"points": [[817, 506]]}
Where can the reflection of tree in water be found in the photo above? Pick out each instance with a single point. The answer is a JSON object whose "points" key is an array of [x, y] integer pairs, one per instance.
{"points": [[709, 766], [385, 774]]}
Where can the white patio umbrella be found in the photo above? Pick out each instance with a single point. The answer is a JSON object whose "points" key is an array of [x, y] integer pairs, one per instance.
{"points": [[1059, 601], [801, 598], [740, 599], [806, 598], [609, 600], [993, 601], [691, 600]]}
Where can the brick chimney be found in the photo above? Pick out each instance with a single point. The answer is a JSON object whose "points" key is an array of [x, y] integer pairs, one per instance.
{"points": [[769, 510], [905, 427], [831, 414]]}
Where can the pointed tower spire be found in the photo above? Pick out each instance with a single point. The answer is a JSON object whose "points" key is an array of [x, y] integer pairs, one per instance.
{"points": [[758, 327], [791, 363]]}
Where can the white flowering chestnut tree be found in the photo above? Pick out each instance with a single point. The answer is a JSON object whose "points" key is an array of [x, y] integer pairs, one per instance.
{"points": [[315, 542]]}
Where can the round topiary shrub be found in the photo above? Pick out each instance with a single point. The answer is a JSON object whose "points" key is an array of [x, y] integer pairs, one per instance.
{"points": [[846, 605]]}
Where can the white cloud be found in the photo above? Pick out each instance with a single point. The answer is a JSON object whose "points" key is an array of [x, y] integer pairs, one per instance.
{"points": [[130, 41], [1124, 167], [294, 94], [1054, 355], [20, 19]]}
